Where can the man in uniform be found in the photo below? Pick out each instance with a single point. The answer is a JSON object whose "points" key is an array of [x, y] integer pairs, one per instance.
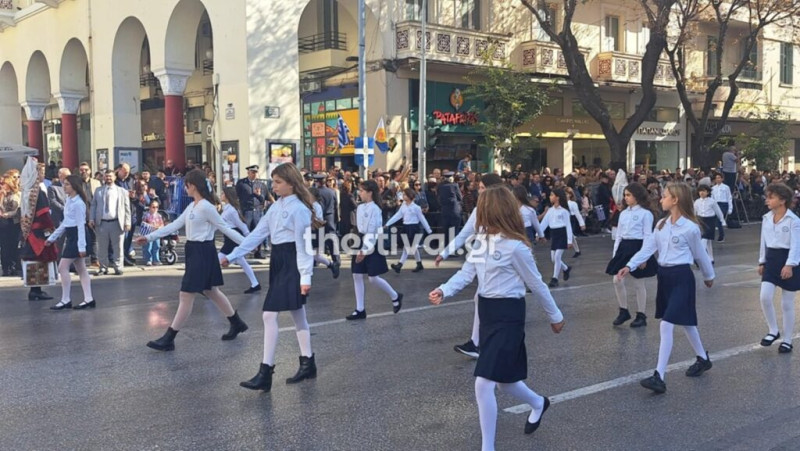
{"points": [[250, 199], [327, 200]]}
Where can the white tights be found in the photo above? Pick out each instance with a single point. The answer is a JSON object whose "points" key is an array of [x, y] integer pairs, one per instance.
{"points": [[187, 302], [246, 269], [376, 281], [487, 406], [271, 334], [404, 255], [787, 305], [709, 248], [665, 349], [86, 281], [622, 293], [558, 265], [575, 245], [476, 324]]}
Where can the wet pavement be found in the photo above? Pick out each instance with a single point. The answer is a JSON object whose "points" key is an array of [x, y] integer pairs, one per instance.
{"points": [[85, 380]]}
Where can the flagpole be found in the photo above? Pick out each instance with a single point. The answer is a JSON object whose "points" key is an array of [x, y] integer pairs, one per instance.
{"points": [[362, 85], [422, 122]]}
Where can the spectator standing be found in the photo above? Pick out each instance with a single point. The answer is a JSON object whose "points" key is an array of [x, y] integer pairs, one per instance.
{"points": [[89, 185], [250, 199], [128, 183], [465, 165], [9, 222], [450, 201], [730, 166], [110, 216]]}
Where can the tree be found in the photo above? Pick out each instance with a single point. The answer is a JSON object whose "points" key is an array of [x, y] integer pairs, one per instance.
{"points": [[769, 144], [722, 18], [658, 15], [510, 100]]}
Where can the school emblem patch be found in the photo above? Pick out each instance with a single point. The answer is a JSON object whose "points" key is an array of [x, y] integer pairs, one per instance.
{"points": [[785, 229], [675, 239], [285, 214], [497, 255]]}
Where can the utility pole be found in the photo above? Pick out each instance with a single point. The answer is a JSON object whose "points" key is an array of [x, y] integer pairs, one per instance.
{"points": [[362, 85], [422, 122]]}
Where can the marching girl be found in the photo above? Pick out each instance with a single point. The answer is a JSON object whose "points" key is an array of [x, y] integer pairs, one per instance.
{"points": [[778, 257], [635, 226], [285, 224], [412, 217], [677, 240], [231, 213], [74, 226], [576, 220], [708, 212], [318, 257], [557, 219], [504, 265], [202, 274], [530, 220], [369, 261]]}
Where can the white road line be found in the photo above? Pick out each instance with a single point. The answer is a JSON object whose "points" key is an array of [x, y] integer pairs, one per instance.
{"points": [[743, 283], [625, 380]]}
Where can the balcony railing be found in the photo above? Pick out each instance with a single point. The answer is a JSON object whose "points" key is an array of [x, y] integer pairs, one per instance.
{"points": [[543, 57], [627, 68], [323, 41], [448, 44], [6, 5]]}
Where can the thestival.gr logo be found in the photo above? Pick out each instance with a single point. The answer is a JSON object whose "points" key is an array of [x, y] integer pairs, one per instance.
{"points": [[456, 99]]}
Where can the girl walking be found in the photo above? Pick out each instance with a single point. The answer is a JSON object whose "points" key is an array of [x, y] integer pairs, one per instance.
{"points": [[557, 219], [778, 257], [677, 240], [74, 227], [413, 220], [231, 213], [635, 226], [576, 220], [530, 219], [369, 260], [708, 212], [202, 274], [504, 265], [285, 224]]}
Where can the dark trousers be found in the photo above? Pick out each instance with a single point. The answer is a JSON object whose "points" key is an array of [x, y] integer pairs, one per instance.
{"points": [[91, 244], [127, 245], [450, 222], [723, 206], [9, 246]]}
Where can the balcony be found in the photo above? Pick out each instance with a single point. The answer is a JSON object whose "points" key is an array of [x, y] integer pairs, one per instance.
{"points": [[543, 57], [627, 68], [448, 44], [323, 52], [12, 11]]}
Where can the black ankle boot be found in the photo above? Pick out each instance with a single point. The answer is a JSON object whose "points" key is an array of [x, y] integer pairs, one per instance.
{"points": [[166, 342], [307, 370], [397, 267], [624, 315], [418, 268], [262, 380], [641, 320], [237, 326]]}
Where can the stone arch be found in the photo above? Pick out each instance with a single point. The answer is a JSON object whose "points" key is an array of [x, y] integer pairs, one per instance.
{"points": [[37, 79], [73, 73], [73, 82], [10, 112], [126, 67], [179, 44]]}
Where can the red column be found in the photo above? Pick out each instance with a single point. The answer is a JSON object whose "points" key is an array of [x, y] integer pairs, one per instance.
{"points": [[173, 125], [35, 137], [69, 141]]}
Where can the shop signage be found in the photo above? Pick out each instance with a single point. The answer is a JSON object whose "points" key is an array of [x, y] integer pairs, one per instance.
{"points": [[150, 137], [448, 118], [658, 131], [712, 126]]}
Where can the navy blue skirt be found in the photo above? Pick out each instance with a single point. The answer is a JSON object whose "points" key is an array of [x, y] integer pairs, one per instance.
{"points": [[284, 280], [374, 264], [709, 223], [675, 297], [410, 231], [70, 243], [775, 261], [503, 357], [626, 250], [202, 267], [228, 246], [531, 232], [558, 238]]}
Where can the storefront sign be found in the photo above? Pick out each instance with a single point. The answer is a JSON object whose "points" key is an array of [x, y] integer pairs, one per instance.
{"points": [[713, 125], [448, 118], [658, 131]]}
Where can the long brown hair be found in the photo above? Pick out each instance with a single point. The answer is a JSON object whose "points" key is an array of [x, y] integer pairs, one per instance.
{"points": [[77, 185], [498, 209], [291, 175], [683, 194], [639, 192], [197, 178], [371, 186], [233, 199]]}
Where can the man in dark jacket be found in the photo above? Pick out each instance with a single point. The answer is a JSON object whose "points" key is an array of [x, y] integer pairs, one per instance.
{"points": [[603, 198], [327, 200], [250, 200], [450, 201]]}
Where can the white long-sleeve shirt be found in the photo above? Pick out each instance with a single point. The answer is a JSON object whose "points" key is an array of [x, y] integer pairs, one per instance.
{"points": [[677, 244], [466, 232], [234, 221], [635, 223], [411, 214], [705, 208], [530, 218], [721, 193], [201, 220], [504, 267], [286, 221], [74, 216], [575, 211], [783, 235], [369, 221], [556, 218]]}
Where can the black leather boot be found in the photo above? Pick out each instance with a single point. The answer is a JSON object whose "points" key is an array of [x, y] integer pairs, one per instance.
{"points": [[307, 370], [166, 342], [418, 268], [237, 326], [640, 321], [262, 380], [624, 315]]}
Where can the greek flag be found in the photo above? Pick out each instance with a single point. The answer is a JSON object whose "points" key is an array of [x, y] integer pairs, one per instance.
{"points": [[344, 132]]}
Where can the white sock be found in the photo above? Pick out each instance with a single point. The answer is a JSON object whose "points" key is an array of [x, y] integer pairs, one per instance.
{"points": [[787, 304], [476, 324], [358, 284], [522, 392], [487, 411], [710, 249], [248, 271], [378, 282], [270, 336], [63, 273], [575, 245], [665, 348], [417, 257], [403, 257], [622, 292], [766, 296], [303, 333], [641, 294], [322, 259], [86, 281], [694, 338]]}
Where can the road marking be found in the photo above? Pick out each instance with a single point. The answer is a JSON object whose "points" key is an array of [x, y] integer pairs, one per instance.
{"points": [[743, 283], [625, 380]]}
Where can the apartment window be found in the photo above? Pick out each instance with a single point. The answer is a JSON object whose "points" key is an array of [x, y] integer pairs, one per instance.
{"points": [[750, 71], [787, 59], [712, 68], [414, 10], [328, 21], [553, 14], [644, 38], [613, 36], [615, 109], [470, 14], [663, 114]]}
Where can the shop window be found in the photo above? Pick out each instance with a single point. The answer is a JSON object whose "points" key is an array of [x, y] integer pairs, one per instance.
{"points": [[469, 12], [591, 152], [615, 109], [553, 12], [750, 70], [657, 155], [663, 114]]}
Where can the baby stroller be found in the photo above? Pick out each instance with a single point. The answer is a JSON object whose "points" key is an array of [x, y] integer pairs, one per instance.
{"points": [[166, 253]]}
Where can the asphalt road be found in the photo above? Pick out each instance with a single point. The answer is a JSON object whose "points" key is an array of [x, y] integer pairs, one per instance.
{"points": [[85, 380]]}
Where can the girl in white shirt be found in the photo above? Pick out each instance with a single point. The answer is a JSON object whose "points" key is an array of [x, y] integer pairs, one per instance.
{"points": [[412, 218], [557, 218], [74, 226], [576, 221], [232, 215], [202, 273], [778, 257], [530, 220], [503, 262], [708, 212], [677, 240], [369, 260]]}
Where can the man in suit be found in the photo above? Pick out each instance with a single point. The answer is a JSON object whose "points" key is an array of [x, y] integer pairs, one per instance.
{"points": [[327, 200], [90, 185], [110, 216], [250, 200], [450, 201]]}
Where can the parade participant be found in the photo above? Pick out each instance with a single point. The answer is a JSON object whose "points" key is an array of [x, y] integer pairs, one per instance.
{"points": [[504, 265], [576, 220], [285, 224], [557, 219], [634, 227], [36, 222], [708, 213], [250, 200], [315, 239], [73, 226], [233, 217], [530, 220], [676, 238], [369, 260], [202, 273], [721, 194], [412, 217], [778, 257]]}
